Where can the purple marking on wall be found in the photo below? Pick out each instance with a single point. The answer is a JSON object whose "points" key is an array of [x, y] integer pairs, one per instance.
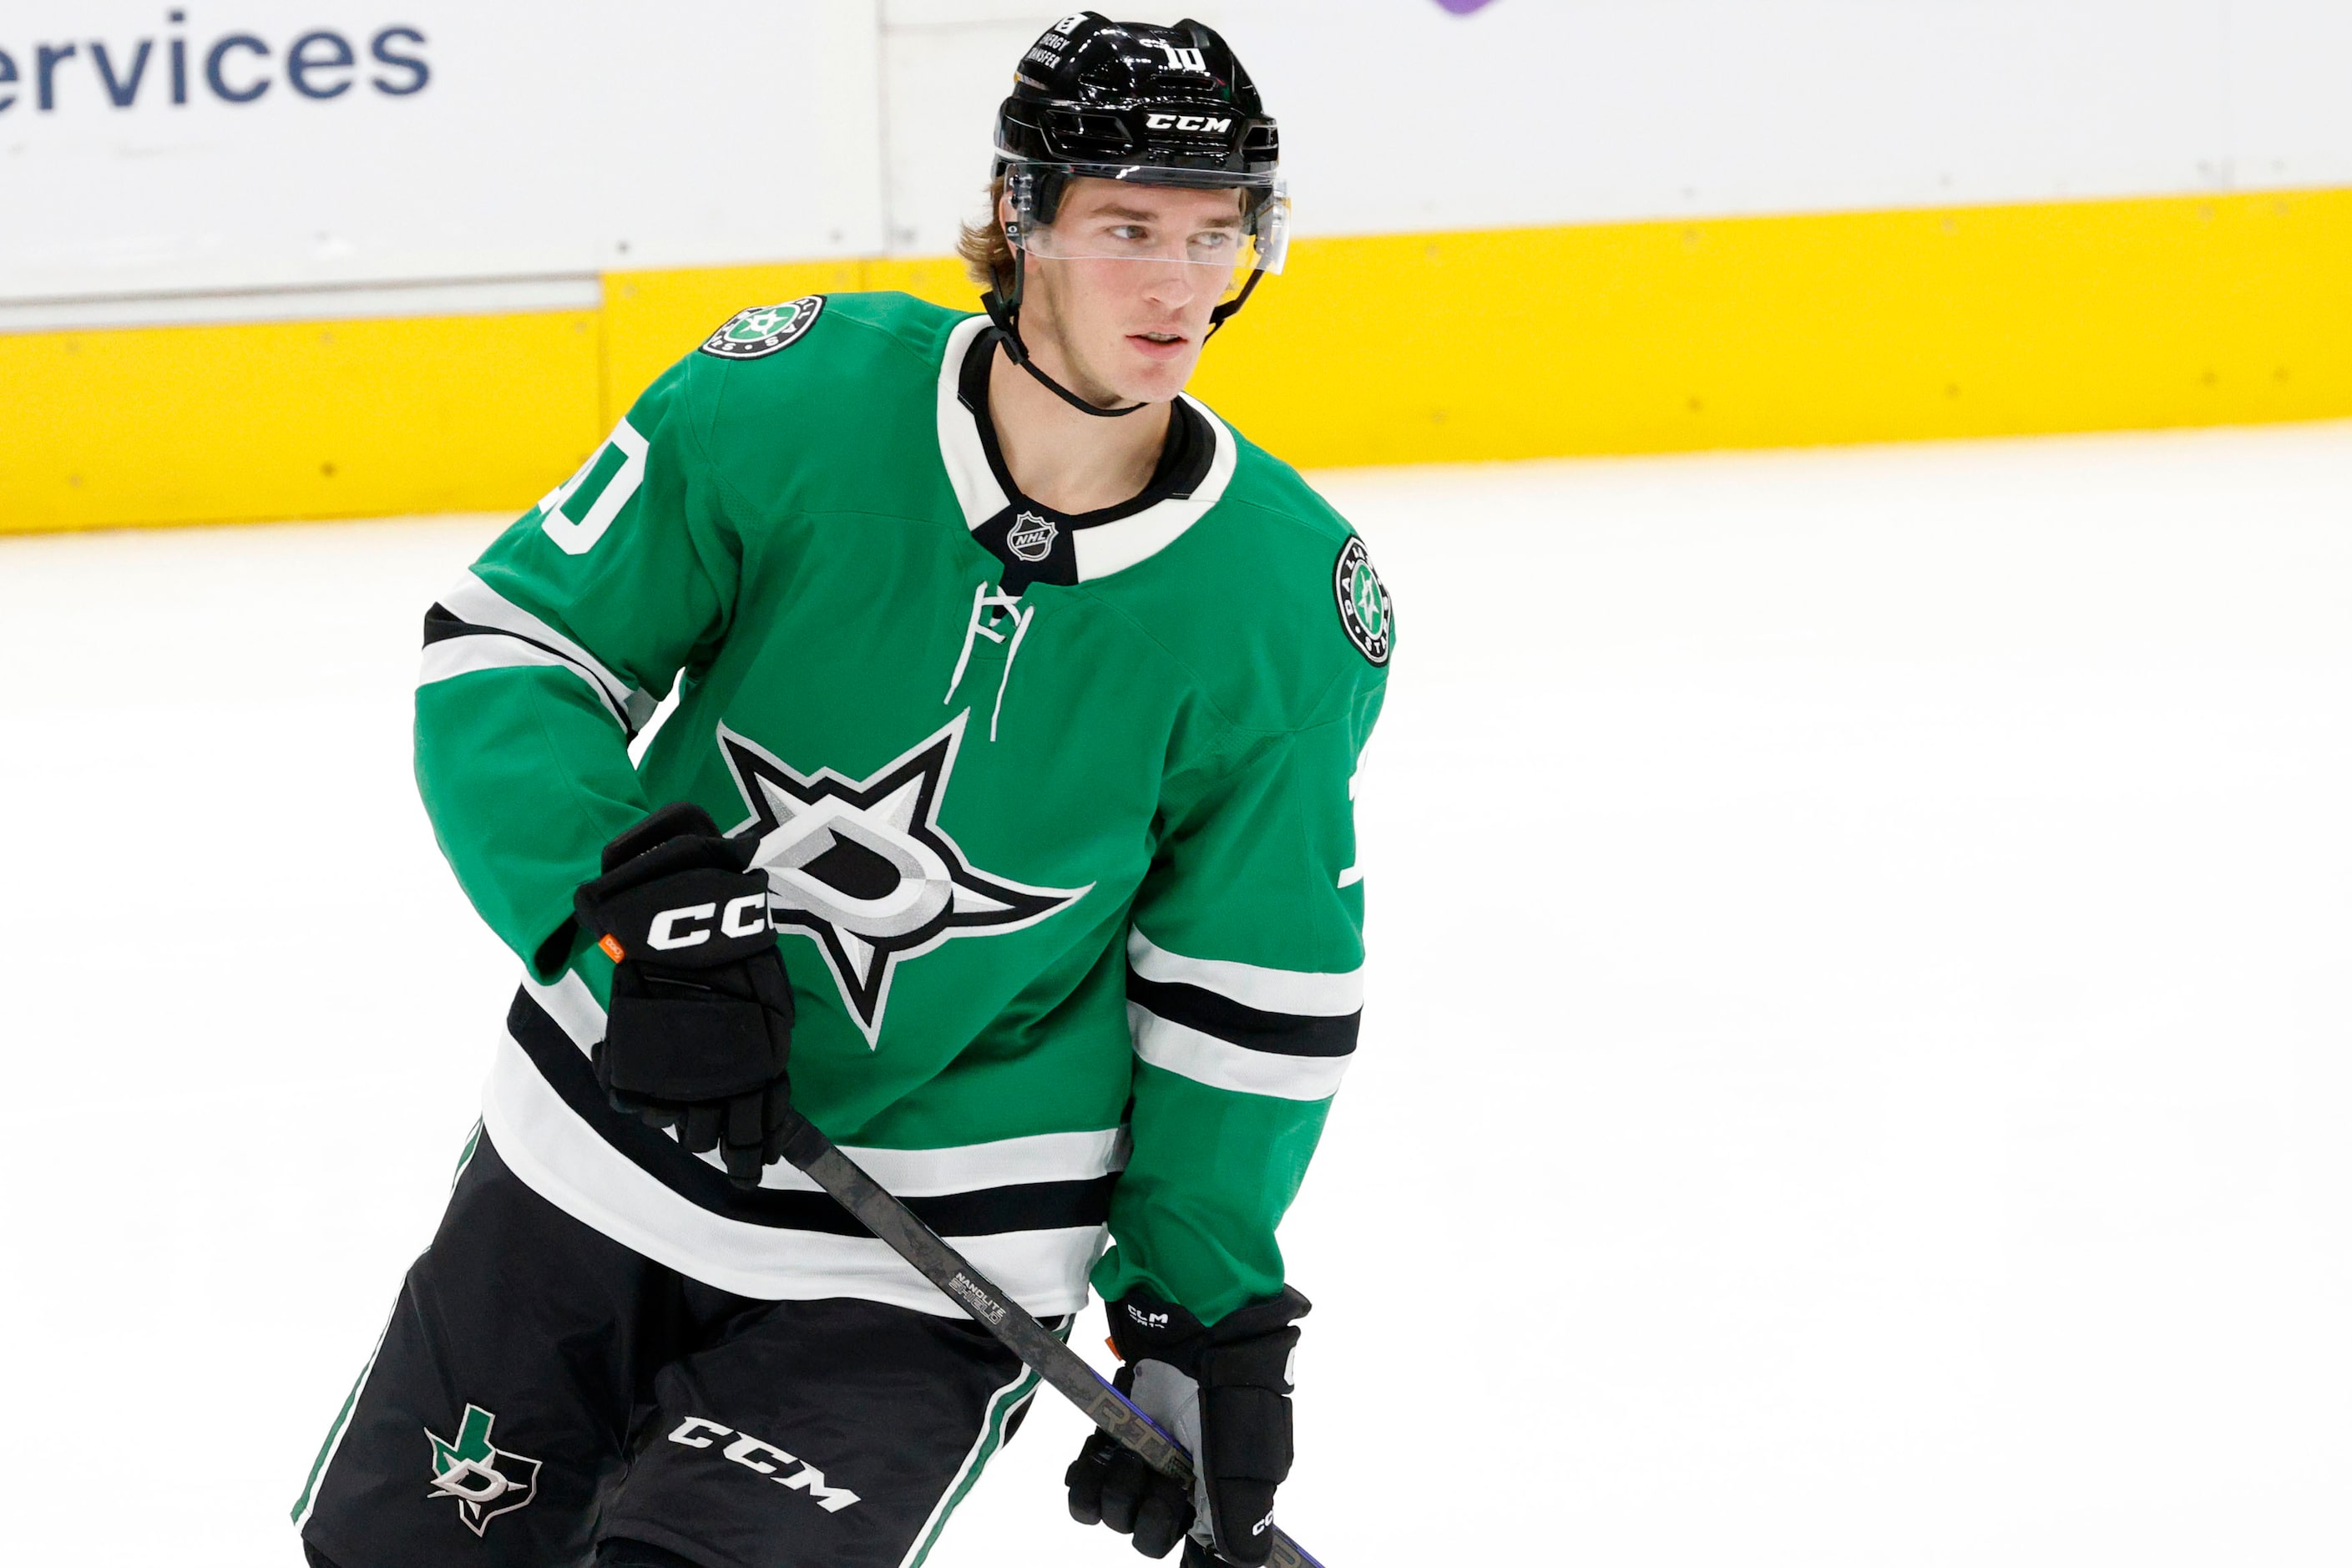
{"points": [[1464, 7]]}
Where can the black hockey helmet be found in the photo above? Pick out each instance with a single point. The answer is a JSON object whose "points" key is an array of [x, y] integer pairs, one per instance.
{"points": [[1165, 105], [1096, 98]]}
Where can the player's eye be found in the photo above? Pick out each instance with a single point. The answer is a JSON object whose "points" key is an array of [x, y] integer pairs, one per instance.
{"points": [[1129, 233]]}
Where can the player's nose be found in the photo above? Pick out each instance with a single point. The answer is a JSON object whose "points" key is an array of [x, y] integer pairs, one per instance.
{"points": [[1171, 285]]}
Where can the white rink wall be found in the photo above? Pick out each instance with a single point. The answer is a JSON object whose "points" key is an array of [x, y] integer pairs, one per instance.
{"points": [[1855, 1074], [546, 145], [1399, 116]]}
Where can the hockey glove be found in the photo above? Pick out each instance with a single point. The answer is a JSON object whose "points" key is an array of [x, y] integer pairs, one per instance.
{"points": [[1225, 1393], [700, 1025]]}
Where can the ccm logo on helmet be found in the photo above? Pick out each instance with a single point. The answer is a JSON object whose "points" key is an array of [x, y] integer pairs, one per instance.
{"points": [[1187, 122], [746, 915]]}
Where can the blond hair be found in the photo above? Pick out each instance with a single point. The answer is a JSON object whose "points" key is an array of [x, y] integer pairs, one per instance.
{"points": [[987, 254]]}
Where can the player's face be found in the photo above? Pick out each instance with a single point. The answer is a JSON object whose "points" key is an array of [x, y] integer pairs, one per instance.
{"points": [[1133, 273]]}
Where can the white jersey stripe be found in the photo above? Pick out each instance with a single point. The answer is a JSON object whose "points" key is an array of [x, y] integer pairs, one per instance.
{"points": [[454, 657], [966, 460], [1298, 991], [1108, 547], [562, 1160], [970, 1167], [908, 1172], [1220, 1064], [475, 603]]}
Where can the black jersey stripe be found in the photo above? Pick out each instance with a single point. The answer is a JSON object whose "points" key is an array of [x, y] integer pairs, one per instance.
{"points": [[1237, 1024], [441, 625], [984, 1211]]}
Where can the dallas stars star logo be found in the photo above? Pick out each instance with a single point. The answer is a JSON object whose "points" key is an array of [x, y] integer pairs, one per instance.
{"points": [[486, 1481], [863, 865]]}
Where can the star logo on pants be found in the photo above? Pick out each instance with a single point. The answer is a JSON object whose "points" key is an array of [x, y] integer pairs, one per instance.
{"points": [[863, 865], [486, 1481]]}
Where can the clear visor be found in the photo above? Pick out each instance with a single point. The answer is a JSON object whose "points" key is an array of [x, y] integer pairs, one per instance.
{"points": [[1110, 214]]}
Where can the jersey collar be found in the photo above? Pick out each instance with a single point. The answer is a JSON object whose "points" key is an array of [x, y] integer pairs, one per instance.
{"points": [[1105, 547]]}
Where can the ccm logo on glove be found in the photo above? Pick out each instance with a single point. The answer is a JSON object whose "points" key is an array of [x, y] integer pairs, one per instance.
{"points": [[698, 1030], [746, 915]]}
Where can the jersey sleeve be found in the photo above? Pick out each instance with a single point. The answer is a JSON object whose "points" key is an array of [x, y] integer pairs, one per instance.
{"points": [[545, 658], [1244, 986]]}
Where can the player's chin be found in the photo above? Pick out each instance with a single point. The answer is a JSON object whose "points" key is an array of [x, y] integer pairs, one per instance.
{"points": [[1152, 369]]}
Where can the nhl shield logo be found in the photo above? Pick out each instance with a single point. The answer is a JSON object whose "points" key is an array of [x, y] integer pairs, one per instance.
{"points": [[486, 1481], [756, 333], [1031, 536], [1365, 613]]}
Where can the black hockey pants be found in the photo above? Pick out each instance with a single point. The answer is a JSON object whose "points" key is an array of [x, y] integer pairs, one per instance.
{"points": [[544, 1398]]}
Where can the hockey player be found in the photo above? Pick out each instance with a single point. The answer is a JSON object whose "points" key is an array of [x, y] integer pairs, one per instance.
{"points": [[1028, 695]]}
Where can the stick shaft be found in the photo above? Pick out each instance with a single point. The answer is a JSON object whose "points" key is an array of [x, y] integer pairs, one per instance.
{"points": [[1023, 1335]]}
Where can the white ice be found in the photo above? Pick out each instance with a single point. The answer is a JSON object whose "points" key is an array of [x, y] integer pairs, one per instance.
{"points": [[1856, 1073]]}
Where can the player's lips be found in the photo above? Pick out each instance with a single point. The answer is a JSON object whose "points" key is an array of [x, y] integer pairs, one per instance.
{"points": [[1158, 346]]}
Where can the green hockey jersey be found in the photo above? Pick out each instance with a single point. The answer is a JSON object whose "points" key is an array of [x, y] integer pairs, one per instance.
{"points": [[1055, 812]]}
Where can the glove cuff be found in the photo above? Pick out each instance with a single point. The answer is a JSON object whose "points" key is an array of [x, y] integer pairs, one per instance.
{"points": [[1143, 1326]]}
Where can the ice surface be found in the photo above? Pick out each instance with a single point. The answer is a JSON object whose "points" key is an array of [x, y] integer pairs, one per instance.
{"points": [[1856, 1071]]}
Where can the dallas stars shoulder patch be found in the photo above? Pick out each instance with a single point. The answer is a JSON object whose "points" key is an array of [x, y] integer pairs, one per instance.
{"points": [[1365, 613], [765, 329]]}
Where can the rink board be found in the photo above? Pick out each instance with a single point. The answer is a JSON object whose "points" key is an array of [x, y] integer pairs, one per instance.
{"points": [[1546, 342]]}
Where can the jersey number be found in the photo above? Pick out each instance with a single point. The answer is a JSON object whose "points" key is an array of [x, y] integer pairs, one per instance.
{"points": [[577, 538]]}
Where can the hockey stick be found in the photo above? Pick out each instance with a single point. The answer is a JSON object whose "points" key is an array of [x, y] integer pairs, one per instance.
{"points": [[811, 1151]]}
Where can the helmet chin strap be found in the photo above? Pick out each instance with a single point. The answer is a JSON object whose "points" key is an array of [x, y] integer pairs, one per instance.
{"points": [[1224, 312], [1004, 315], [1004, 307]]}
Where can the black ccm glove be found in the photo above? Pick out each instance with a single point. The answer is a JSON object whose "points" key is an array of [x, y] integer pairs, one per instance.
{"points": [[701, 1021], [1225, 1393]]}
